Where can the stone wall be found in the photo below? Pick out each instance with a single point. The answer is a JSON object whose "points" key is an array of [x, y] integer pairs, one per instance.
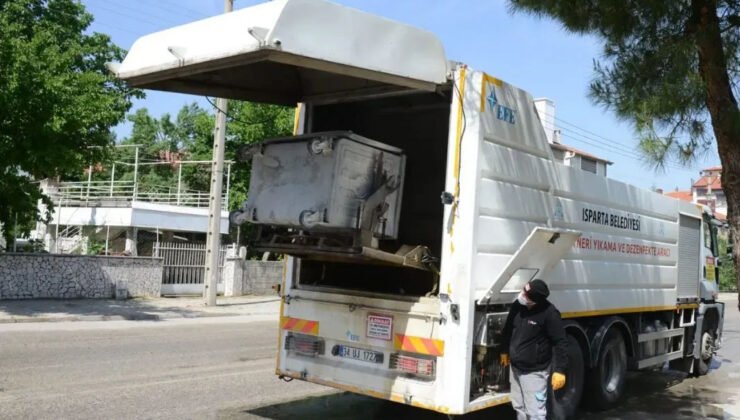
{"points": [[260, 276], [58, 276], [243, 277]]}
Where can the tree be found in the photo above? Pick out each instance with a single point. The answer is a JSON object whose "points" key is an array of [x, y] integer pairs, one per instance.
{"points": [[190, 135], [195, 127], [57, 100], [672, 69], [726, 268], [154, 137]]}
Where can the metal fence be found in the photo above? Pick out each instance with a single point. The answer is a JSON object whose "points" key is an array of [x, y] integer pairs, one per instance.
{"points": [[122, 193], [184, 267]]}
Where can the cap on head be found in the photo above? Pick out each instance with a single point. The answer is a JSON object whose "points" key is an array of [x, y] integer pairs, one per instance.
{"points": [[537, 290]]}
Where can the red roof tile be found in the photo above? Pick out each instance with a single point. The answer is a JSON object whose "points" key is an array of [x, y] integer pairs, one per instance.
{"points": [[681, 195], [709, 181]]}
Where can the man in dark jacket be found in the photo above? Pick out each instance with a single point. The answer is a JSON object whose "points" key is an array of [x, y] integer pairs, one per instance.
{"points": [[535, 340]]}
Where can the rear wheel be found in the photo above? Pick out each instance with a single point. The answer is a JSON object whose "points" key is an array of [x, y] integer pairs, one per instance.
{"points": [[607, 378], [568, 398], [706, 345], [701, 365]]}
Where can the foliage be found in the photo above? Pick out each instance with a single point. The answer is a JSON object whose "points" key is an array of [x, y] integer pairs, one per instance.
{"points": [[95, 247], [649, 72], [57, 99], [157, 136], [191, 135], [726, 268]]}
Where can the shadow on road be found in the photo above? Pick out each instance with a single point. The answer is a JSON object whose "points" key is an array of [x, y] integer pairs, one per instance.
{"points": [[71, 309], [347, 406], [649, 395]]}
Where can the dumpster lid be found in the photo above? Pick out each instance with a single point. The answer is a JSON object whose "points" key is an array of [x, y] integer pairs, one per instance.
{"points": [[287, 51]]}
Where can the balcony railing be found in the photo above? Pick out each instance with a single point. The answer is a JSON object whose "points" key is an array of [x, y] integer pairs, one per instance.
{"points": [[122, 193]]}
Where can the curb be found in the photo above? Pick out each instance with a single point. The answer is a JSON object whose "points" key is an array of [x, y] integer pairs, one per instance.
{"points": [[133, 315], [91, 318]]}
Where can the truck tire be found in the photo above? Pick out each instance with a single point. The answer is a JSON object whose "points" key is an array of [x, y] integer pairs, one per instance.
{"points": [[706, 345], [606, 379], [566, 400]]}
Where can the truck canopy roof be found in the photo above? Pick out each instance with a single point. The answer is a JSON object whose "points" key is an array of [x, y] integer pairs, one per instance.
{"points": [[287, 51]]}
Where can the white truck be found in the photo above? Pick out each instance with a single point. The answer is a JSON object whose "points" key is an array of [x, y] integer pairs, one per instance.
{"points": [[388, 292]]}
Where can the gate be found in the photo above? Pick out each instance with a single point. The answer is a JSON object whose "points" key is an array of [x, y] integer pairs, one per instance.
{"points": [[184, 267]]}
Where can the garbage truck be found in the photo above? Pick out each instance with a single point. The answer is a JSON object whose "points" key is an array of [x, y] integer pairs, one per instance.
{"points": [[417, 196]]}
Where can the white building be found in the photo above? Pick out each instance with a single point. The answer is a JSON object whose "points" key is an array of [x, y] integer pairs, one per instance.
{"points": [[707, 190]]}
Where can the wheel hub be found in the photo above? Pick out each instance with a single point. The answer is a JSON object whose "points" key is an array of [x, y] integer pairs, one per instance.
{"points": [[612, 375], [707, 346]]}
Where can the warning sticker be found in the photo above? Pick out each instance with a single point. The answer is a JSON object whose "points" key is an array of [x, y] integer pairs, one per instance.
{"points": [[380, 326], [709, 266]]}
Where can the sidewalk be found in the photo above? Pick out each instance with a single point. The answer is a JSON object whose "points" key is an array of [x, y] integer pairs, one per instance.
{"points": [[58, 310]]}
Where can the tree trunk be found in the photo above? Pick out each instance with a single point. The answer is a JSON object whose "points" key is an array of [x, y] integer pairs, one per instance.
{"points": [[723, 110]]}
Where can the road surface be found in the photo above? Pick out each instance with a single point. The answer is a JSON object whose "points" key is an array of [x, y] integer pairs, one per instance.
{"points": [[224, 368]]}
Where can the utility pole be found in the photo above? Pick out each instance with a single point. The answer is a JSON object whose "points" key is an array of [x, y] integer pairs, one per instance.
{"points": [[213, 239]]}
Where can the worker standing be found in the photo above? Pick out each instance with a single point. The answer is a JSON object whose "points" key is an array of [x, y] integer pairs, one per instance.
{"points": [[534, 345]]}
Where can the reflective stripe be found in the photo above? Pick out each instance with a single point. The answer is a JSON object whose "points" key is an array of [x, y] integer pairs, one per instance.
{"points": [[419, 345], [299, 325], [617, 311]]}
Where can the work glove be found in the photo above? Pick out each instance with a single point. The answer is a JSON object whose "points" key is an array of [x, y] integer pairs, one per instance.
{"points": [[504, 359], [557, 381]]}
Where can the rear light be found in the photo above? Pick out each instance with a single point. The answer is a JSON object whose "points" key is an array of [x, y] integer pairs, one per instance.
{"points": [[305, 345], [419, 366]]}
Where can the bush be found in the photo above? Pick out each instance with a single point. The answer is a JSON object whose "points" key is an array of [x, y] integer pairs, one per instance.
{"points": [[727, 281]]}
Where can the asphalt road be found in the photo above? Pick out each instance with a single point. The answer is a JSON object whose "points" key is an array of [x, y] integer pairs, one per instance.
{"points": [[140, 369], [224, 368]]}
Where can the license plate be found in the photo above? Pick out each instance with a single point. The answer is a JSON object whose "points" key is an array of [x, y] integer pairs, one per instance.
{"points": [[360, 354]]}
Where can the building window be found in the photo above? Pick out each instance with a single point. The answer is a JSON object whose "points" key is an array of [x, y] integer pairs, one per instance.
{"points": [[588, 164]]}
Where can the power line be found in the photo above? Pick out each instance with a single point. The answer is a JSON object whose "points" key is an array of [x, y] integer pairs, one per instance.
{"points": [[631, 156], [583, 129], [138, 11], [611, 146], [181, 8], [600, 139], [611, 142], [104, 25], [140, 17]]}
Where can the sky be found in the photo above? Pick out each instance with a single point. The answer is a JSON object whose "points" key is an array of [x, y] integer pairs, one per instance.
{"points": [[531, 53]]}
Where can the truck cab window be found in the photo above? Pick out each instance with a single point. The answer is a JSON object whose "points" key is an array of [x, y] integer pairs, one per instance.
{"points": [[710, 237], [707, 234]]}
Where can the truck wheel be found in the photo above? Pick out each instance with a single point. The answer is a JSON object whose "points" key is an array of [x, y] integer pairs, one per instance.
{"points": [[606, 379], [706, 348], [568, 398], [706, 344]]}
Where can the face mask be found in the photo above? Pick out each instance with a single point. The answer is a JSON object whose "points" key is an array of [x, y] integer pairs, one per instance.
{"points": [[523, 300]]}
